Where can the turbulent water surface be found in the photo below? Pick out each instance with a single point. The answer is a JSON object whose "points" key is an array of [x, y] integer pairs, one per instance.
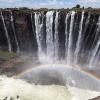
{"points": [[14, 89]]}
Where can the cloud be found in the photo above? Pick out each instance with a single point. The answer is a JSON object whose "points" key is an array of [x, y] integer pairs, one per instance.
{"points": [[48, 3], [10, 0], [52, 2], [90, 3], [61, 3]]}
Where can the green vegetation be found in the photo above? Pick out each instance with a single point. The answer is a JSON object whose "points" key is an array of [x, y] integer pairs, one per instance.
{"points": [[89, 8], [74, 8], [11, 8], [23, 8], [77, 7], [43, 9], [6, 55]]}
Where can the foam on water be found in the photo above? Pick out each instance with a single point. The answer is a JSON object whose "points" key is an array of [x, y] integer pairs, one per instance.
{"points": [[12, 88], [21, 90]]}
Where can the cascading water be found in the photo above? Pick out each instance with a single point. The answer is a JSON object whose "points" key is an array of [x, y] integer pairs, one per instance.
{"points": [[94, 51], [70, 39], [6, 32], [78, 44], [14, 32], [52, 43], [39, 34], [86, 25], [49, 36], [66, 33], [54, 31], [56, 37]]}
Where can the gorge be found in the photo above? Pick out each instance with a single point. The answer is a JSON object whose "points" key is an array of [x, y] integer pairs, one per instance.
{"points": [[66, 36], [65, 46]]}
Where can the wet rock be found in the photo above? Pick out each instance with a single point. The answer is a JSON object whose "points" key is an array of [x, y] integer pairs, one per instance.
{"points": [[97, 98], [26, 34], [17, 96]]}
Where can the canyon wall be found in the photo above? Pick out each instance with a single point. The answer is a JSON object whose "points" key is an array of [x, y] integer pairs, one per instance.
{"points": [[66, 34]]}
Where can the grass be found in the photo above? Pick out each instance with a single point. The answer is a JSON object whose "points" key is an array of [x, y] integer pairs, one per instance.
{"points": [[5, 55]]}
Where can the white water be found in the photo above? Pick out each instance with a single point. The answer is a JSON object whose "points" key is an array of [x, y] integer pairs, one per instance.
{"points": [[12, 23], [66, 33], [11, 88], [56, 44], [39, 35], [96, 59], [78, 44], [96, 47], [49, 36], [94, 51], [6, 32], [70, 39]]}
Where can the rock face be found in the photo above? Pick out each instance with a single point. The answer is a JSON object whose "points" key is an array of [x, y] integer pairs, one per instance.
{"points": [[77, 37], [26, 36], [97, 98], [23, 31]]}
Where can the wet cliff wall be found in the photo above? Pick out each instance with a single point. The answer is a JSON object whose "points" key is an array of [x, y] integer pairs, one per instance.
{"points": [[23, 31], [24, 27], [23, 36]]}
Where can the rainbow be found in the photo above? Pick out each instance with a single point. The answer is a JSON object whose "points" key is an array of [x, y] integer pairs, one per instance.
{"points": [[58, 65]]}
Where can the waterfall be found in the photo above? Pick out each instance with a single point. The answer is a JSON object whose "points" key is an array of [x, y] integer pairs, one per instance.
{"points": [[66, 33], [49, 36], [12, 23], [6, 32], [39, 35], [94, 51], [95, 39], [70, 39], [66, 36], [96, 58], [56, 44], [79, 42]]}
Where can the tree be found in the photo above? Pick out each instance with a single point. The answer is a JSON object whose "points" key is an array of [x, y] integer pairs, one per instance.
{"points": [[82, 7], [77, 6], [89, 8], [23, 8], [43, 9]]}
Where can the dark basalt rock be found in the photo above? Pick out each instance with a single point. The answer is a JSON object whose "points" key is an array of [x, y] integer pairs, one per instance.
{"points": [[61, 33], [26, 35], [7, 19], [23, 30], [97, 98]]}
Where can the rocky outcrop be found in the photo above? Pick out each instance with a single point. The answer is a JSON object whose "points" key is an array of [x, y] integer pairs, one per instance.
{"points": [[97, 98], [23, 30]]}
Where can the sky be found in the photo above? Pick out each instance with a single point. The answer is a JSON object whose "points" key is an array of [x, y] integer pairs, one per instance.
{"points": [[49, 3]]}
